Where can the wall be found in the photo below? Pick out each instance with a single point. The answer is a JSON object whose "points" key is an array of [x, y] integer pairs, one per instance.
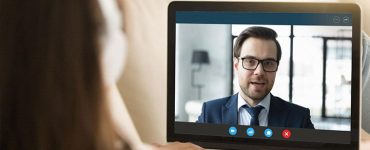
{"points": [[215, 77], [365, 8], [143, 83]]}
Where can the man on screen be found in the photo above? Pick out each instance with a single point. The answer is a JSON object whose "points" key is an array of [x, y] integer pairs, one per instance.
{"points": [[256, 59]]}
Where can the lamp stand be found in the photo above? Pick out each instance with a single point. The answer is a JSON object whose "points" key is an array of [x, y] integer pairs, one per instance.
{"points": [[199, 86]]}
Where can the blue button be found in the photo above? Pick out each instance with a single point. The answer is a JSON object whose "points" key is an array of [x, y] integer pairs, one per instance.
{"points": [[232, 131], [250, 131], [268, 132]]}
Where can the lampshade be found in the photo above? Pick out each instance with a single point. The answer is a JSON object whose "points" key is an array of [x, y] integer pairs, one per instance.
{"points": [[200, 57]]}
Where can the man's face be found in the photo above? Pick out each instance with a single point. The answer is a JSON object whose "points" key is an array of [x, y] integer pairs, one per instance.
{"points": [[256, 84]]}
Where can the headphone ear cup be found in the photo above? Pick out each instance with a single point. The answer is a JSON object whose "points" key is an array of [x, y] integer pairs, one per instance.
{"points": [[113, 42], [114, 56]]}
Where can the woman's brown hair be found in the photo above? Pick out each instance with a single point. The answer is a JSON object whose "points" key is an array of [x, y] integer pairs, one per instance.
{"points": [[51, 88]]}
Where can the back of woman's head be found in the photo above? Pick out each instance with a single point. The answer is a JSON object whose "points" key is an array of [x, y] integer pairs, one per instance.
{"points": [[51, 89]]}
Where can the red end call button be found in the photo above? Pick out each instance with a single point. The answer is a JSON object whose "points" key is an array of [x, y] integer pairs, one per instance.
{"points": [[286, 134]]}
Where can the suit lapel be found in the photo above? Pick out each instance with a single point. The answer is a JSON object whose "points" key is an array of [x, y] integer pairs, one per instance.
{"points": [[229, 111], [276, 117]]}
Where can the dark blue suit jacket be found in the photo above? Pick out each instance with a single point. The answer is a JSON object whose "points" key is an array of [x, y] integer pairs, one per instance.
{"points": [[281, 114]]}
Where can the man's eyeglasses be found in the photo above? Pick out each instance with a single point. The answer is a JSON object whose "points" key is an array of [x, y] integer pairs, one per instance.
{"points": [[268, 65]]}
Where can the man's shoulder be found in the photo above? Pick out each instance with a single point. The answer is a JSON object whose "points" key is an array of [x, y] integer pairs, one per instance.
{"points": [[292, 114], [285, 104]]}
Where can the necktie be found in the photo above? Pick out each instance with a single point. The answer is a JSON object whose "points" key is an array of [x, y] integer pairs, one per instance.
{"points": [[254, 112]]}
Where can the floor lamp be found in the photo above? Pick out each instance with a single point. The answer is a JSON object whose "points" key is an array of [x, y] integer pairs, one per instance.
{"points": [[199, 58]]}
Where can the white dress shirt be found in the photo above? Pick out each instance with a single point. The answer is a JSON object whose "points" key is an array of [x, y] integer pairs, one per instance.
{"points": [[245, 118]]}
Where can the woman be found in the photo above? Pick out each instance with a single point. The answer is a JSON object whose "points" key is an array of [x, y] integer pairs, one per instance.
{"points": [[59, 62]]}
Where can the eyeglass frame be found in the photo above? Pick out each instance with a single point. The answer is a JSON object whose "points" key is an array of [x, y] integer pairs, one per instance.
{"points": [[259, 62]]}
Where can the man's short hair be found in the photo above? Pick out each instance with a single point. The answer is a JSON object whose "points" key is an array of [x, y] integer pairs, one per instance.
{"points": [[257, 32]]}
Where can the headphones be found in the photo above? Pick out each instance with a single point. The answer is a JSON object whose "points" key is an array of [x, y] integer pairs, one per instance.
{"points": [[113, 42]]}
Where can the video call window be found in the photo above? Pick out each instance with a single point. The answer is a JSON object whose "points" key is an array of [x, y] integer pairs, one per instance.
{"points": [[314, 71], [229, 87]]}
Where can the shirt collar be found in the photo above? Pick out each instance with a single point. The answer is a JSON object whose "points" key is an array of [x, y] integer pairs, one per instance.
{"points": [[265, 102]]}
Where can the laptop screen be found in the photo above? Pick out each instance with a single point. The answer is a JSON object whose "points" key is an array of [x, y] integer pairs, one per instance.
{"points": [[273, 74]]}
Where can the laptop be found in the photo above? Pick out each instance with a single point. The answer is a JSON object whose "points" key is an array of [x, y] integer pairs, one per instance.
{"points": [[300, 65]]}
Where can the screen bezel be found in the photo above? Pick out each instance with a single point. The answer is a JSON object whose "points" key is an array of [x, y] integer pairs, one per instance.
{"points": [[281, 7]]}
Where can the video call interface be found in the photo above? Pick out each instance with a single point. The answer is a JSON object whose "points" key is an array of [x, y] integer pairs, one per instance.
{"points": [[310, 96]]}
